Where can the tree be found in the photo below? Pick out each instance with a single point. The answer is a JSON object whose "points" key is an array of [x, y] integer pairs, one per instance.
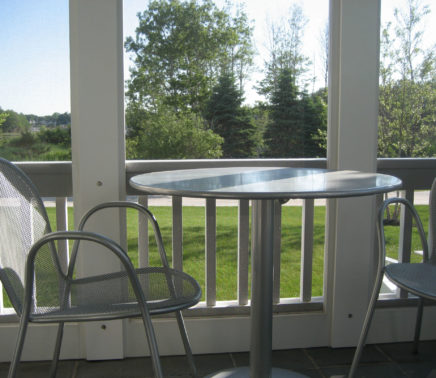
{"points": [[170, 136], [3, 116], [314, 122], [15, 122], [295, 121], [285, 46], [407, 116], [324, 44], [284, 133], [181, 48], [228, 119]]}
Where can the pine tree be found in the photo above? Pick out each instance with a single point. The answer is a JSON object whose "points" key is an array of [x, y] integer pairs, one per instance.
{"points": [[227, 118], [284, 133]]}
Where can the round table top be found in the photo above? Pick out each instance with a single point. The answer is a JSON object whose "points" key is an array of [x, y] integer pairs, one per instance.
{"points": [[264, 183]]}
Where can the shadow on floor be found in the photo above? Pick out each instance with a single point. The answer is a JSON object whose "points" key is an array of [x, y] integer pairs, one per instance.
{"points": [[381, 361]]}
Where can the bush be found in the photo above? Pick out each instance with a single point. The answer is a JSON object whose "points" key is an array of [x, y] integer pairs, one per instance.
{"points": [[170, 136], [30, 147], [58, 136]]}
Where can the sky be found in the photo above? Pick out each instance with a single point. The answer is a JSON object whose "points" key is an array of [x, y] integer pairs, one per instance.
{"points": [[34, 46]]}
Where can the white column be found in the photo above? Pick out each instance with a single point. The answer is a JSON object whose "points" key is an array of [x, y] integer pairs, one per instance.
{"points": [[352, 144], [97, 111]]}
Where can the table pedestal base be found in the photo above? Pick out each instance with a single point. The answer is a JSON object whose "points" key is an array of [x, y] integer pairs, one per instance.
{"points": [[244, 372]]}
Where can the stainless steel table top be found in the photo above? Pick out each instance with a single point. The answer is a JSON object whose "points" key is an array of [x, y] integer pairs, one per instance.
{"points": [[264, 183]]}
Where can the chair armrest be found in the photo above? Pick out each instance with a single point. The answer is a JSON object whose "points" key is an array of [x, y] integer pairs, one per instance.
{"points": [[141, 209], [109, 244]]}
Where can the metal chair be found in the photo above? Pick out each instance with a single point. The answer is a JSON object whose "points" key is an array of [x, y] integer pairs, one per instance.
{"points": [[416, 278], [44, 290]]}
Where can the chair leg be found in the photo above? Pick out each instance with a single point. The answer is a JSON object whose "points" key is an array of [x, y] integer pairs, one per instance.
{"points": [[366, 324], [152, 343], [57, 350], [18, 347], [186, 343], [418, 325]]}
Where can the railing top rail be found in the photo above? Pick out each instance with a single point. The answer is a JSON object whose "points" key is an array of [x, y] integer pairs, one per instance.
{"points": [[416, 173], [54, 178]]}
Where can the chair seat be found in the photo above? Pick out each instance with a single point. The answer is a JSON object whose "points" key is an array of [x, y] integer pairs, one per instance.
{"points": [[110, 296], [419, 279]]}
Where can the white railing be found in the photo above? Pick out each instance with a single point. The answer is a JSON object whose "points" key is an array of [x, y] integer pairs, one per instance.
{"points": [[54, 180]]}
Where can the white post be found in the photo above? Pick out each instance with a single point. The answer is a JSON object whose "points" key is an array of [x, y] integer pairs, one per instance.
{"points": [[352, 144], [98, 154]]}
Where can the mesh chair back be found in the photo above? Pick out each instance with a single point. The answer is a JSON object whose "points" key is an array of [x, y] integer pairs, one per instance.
{"points": [[432, 225], [23, 220]]}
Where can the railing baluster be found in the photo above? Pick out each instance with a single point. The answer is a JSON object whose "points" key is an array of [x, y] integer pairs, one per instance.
{"points": [[306, 251], [143, 255], [210, 252], [243, 240], [277, 238], [405, 245], [177, 233], [1, 299], [62, 225]]}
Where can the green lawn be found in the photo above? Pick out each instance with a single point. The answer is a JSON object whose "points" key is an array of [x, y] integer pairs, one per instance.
{"points": [[193, 245]]}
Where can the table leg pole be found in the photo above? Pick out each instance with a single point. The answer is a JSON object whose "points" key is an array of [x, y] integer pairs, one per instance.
{"points": [[262, 288]]}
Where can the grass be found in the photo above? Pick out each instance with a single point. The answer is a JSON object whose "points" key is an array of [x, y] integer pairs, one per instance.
{"points": [[194, 241]]}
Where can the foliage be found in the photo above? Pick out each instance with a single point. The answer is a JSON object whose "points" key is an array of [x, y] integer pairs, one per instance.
{"points": [[314, 121], [48, 144], [285, 48], [166, 135], [294, 121], [58, 136], [56, 119], [259, 115], [13, 121], [407, 116], [23, 147], [227, 118], [3, 117], [181, 47], [284, 133], [407, 121]]}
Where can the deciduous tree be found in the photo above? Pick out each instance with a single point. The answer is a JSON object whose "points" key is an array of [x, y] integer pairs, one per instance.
{"points": [[407, 117], [285, 52], [170, 136], [181, 48]]}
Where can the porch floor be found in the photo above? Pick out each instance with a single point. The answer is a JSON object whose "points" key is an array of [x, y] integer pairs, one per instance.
{"points": [[381, 361]]}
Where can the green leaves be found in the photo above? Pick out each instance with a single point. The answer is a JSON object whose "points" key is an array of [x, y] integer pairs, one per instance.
{"points": [[294, 121], [173, 136], [407, 116], [181, 47], [228, 119]]}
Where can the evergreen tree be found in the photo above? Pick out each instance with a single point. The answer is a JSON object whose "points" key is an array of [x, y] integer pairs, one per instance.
{"points": [[314, 119], [228, 119], [295, 119], [284, 133]]}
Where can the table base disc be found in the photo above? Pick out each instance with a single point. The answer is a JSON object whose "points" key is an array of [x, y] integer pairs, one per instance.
{"points": [[245, 372]]}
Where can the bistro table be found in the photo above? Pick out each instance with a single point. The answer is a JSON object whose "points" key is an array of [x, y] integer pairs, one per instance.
{"points": [[263, 185]]}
